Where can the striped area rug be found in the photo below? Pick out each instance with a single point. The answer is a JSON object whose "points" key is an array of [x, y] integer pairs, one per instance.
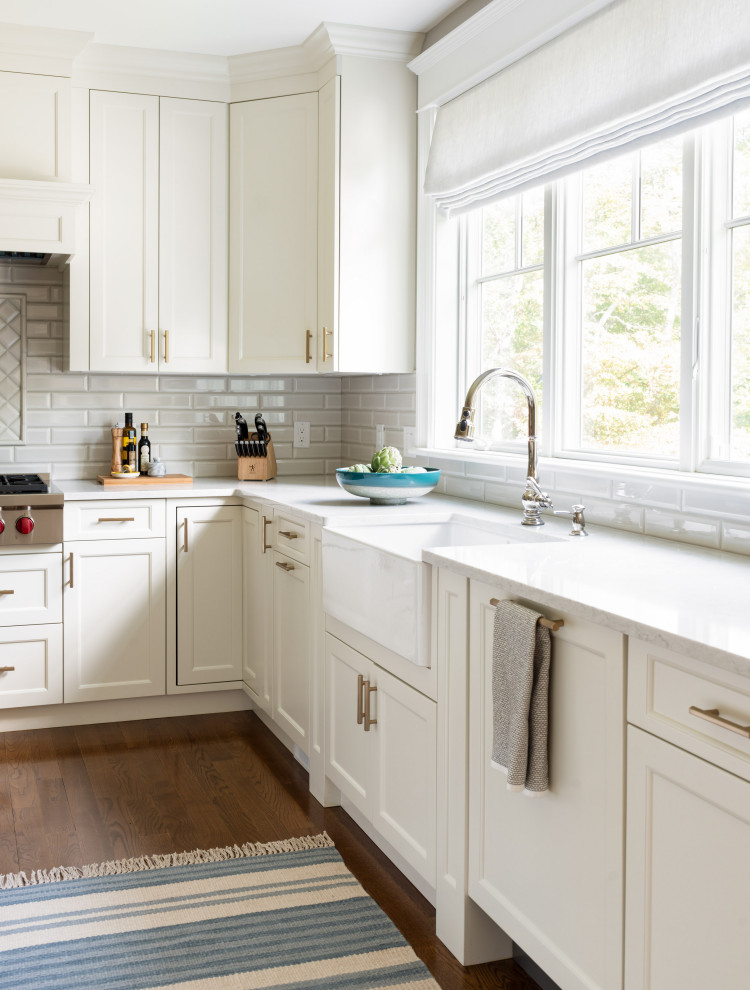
{"points": [[280, 915]]}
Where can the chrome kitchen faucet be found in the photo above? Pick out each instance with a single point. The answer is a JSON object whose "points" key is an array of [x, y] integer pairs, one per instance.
{"points": [[534, 500]]}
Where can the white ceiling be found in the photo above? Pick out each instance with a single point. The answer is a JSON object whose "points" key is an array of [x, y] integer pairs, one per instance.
{"points": [[219, 27]]}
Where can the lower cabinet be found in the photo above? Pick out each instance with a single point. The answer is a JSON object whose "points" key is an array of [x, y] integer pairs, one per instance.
{"points": [[114, 619], [209, 594], [257, 661], [291, 648], [687, 910], [548, 870], [31, 666], [381, 738]]}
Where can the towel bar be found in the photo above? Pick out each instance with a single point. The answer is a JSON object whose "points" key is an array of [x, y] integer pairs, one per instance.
{"points": [[553, 624]]}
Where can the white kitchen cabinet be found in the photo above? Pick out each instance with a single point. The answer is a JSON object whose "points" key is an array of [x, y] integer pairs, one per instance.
{"points": [[687, 910], [273, 235], [209, 594], [35, 124], [257, 660], [30, 589], [31, 666], [367, 219], [381, 752], [158, 235], [548, 871], [114, 619], [291, 648], [323, 242]]}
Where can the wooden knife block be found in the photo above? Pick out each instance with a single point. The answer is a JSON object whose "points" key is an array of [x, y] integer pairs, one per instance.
{"points": [[257, 468]]}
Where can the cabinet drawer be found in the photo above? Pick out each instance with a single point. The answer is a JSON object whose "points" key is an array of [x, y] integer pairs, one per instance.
{"points": [[114, 519], [662, 688], [291, 536], [31, 666], [30, 589]]}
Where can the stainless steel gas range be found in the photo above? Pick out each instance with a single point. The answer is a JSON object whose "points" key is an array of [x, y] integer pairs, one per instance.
{"points": [[31, 514]]}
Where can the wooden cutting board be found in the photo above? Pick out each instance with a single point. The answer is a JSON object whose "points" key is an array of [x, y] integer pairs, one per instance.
{"points": [[137, 480]]}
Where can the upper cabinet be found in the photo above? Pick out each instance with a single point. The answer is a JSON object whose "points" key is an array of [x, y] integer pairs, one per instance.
{"points": [[158, 234], [35, 124], [273, 234], [323, 221]]}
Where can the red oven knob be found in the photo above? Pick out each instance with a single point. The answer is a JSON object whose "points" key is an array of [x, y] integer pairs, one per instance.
{"points": [[2, 525], [25, 525]]}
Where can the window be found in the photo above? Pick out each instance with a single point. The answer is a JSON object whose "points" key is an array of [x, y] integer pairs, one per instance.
{"points": [[623, 294]]}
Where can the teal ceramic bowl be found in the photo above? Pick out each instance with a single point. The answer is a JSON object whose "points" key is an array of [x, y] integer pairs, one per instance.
{"points": [[387, 489]]}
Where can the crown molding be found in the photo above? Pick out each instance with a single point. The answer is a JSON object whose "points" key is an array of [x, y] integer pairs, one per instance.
{"points": [[47, 51], [327, 41], [153, 70]]}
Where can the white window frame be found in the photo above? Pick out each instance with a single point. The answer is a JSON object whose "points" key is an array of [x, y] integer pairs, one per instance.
{"points": [[706, 288]]}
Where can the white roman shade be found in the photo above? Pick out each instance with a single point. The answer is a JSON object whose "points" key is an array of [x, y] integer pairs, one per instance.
{"points": [[636, 70]]}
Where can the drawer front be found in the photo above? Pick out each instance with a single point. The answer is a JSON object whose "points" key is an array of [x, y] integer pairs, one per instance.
{"points": [[291, 536], [662, 688], [30, 589], [114, 519], [31, 666]]}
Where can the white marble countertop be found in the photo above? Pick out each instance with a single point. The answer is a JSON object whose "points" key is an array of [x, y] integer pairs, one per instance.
{"points": [[684, 598]]}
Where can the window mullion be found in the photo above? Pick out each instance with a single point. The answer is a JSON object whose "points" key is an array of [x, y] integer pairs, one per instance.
{"points": [[567, 355], [690, 304]]}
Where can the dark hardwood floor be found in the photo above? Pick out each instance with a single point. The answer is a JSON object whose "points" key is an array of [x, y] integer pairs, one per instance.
{"points": [[80, 795]]}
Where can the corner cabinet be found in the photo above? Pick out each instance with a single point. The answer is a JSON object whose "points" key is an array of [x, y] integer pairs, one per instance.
{"points": [[209, 594], [323, 226], [158, 282]]}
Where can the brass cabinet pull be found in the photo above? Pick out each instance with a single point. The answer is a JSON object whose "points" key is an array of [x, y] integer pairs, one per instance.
{"points": [[152, 335], [326, 334], [360, 701], [116, 519], [308, 339], [5, 670], [288, 534], [7, 591], [712, 715], [71, 569], [166, 346], [369, 689], [266, 523], [284, 566], [185, 534]]}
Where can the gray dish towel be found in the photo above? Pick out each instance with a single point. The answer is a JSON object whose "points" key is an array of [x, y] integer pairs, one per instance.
{"points": [[521, 651]]}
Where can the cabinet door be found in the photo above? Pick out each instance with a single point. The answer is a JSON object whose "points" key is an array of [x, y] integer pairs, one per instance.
{"points": [[30, 588], [124, 231], [258, 609], [31, 666], [114, 619], [209, 594], [273, 234], [549, 870], [687, 910], [291, 648], [35, 119], [350, 750], [405, 737], [193, 236]]}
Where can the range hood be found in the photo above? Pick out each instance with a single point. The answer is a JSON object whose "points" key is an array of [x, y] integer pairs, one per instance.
{"points": [[40, 218], [32, 259]]}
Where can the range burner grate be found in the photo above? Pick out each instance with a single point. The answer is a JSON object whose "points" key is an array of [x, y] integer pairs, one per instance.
{"points": [[22, 484]]}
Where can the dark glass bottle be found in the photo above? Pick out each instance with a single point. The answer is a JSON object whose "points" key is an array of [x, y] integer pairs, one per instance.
{"points": [[144, 450], [129, 464]]}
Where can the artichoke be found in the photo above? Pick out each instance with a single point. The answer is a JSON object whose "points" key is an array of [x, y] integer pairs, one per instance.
{"points": [[362, 468], [387, 460], [413, 470]]}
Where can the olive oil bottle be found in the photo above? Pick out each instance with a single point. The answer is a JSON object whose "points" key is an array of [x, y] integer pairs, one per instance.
{"points": [[129, 451], [144, 450]]}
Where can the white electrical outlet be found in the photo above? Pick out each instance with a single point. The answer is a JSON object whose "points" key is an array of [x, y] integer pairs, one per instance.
{"points": [[410, 439], [379, 436], [301, 434]]}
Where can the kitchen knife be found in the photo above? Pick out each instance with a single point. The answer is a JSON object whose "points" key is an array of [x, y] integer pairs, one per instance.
{"points": [[242, 432], [237, 448]]}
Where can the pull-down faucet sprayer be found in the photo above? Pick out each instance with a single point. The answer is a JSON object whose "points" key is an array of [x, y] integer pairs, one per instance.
{"points": [[534, 500]]}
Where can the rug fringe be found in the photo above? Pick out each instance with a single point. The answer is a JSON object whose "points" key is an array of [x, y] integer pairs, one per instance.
{"points": [[10, 881]]}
